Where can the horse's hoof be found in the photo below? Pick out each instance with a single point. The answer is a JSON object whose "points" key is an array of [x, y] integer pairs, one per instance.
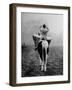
{"points": [[41, 69], [44, 70]]}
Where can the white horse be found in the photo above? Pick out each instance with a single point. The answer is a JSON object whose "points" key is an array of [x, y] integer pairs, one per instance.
{"points": [[43, 50]]}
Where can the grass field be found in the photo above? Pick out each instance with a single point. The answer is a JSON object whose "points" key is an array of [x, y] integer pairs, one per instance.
{"points": [[30, 62]]}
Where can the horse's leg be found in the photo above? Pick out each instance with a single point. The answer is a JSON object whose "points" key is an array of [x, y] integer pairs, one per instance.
{"points": [[42, 66], [45, 63], [40, 60], [45, 66]]}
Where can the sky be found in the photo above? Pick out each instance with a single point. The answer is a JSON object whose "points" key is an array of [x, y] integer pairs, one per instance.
{"points": [[31, 22]]}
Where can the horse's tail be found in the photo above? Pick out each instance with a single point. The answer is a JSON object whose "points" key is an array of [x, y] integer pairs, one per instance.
{"points": [[43, 54]]}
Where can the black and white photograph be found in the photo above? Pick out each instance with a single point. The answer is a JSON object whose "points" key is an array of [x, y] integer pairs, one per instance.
{"points": [[42, 44]]}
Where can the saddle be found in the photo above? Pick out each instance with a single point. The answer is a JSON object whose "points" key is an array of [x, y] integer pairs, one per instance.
{"points": [[38, 38]]}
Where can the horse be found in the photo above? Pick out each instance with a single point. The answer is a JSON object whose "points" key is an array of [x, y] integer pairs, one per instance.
{"points": [[43, 50], [42, 46]]}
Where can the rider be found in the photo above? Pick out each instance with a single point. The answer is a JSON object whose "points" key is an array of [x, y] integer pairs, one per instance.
{"points": [[43, 33]]}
